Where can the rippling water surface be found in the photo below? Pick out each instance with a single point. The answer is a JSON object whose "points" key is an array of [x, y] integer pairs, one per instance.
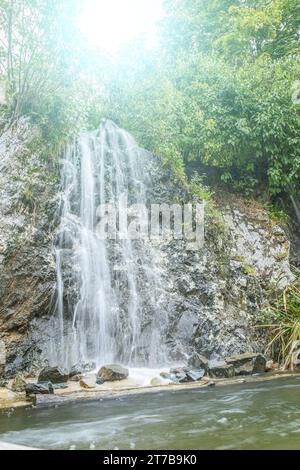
{"points": [[249, 416]]}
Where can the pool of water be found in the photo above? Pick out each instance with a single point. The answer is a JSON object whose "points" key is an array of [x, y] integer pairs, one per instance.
{"points": [[248, 416]]}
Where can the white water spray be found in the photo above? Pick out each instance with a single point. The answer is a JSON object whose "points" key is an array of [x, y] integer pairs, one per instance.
{"points": [[108, 292]]}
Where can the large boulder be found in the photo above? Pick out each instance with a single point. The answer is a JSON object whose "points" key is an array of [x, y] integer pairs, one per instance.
{"points": [[186, 374], [113, 373], [45, 388], [82, 368], [54, 375], [198, 361], [220, 370], [76, 378], [195, 374], [165, 375], [178, 375], [248, 363]]}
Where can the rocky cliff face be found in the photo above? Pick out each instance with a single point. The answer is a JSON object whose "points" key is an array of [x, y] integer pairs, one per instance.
{"points": [[220, 291], [27, 270], [215, 294]]}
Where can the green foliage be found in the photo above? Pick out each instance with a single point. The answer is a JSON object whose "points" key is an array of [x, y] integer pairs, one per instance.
{"points": [[198, 190], [282, 319], [42, 61], [277, 215], [249, 270], [221, 91]]}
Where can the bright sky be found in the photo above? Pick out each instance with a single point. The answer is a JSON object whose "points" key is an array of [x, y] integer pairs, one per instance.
{"points": [[111, 23]]}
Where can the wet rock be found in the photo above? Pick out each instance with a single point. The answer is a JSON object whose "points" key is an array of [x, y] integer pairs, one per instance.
{"points": [[113, 373], [44, 388], [88, 381], [19, 384], [195, 374], [248, 363], [178, 375], [25, 249], [76, 378], [75, 371], [220, 369], [79, 369], [165, 375], [198, 361], [54, 375], [89, 366], [176, 370], [211, 383], [179, 378], [185, 374], [60, 386]]}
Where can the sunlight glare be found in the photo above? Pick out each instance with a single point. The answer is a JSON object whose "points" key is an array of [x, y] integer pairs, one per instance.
{"points": [[110, 23]]}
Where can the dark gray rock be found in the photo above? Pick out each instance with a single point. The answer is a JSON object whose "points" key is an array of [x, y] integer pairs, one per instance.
{"points": [[27, 271], [184, 374], [79, 369], [76, 378], [88, 366], [75, 371], [60, 386], [198, 361], [211, 384], [248, 363], [99, 381], [113, 373], [195, 374], [165, 375], [55, 375], [180, 377], [2, 368], [178, 370], [220, 369], [44, 388]]}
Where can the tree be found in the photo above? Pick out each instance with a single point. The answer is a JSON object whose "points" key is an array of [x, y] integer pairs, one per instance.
{"points": [[39, 61], [220, 92]]}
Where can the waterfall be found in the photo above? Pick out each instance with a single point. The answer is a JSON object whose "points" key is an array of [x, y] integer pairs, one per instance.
{"points": [[296, 206], [108, 291]]}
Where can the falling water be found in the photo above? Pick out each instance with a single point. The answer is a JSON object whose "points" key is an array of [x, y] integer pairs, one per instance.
{"points": [[108, 291], [296, 205]]}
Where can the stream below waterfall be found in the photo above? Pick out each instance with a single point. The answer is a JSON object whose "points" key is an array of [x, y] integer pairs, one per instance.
{"points": [[245, 416]]}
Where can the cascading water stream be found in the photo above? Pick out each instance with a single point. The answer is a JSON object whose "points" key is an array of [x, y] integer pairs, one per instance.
{"points": [[103, 312]]}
